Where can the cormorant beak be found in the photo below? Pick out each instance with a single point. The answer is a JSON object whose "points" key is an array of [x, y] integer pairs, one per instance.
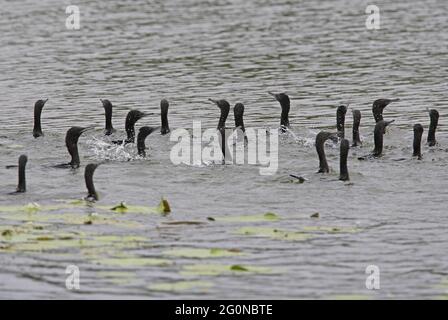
{"points": [[274, 95], [389, 122], [102, 101], [87, 129], [45, 101], [214, 101], [392, 100]]}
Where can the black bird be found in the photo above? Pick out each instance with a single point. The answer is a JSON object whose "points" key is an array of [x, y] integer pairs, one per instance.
{"points": [[380, 130], [71, 141], [343, 170], [224, 106], [131, 119], [434, 117], [340, 120], [320, 141], [88, 177], [164, 105], [418, 132], [356, 122], [285, 103], [142, 134], [21, 187], [238, 112], [378, 107], [107, 105], [38, 106]]}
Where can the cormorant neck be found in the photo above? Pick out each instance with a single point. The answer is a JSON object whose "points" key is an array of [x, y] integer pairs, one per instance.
{"points": [[418, 132], [378, 139], [92, 194], [141, 146], [284, 118], [165, 126], [356, 122], [73, 150], [340, 121], [222, 133], [223, 118], [22, 179], [164, 105], [37, 131], [109, 128], [344, 176], [377, 113], [239, 122], [130, 132], [434, 116], [72, 147], [320, 141]]}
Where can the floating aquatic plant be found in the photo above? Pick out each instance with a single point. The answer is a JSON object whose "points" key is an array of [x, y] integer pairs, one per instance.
{"points": [[202, 253], [218, 269]]}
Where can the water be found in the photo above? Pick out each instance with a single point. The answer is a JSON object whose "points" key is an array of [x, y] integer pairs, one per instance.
{"points": [[135, 53]]}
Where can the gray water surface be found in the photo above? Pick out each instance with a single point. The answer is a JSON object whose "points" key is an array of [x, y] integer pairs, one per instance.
{"points": [[392, 214]]}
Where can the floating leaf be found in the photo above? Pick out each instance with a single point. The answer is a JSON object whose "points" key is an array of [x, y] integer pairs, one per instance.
{"points": [[238, 268], [176, 223], [121, 208], [250, 218], [180, 286], [201, 253], [125, 208], [217, 269], [274, 233], [7, 233], [133, 262], [117, 277], [164, 207]]}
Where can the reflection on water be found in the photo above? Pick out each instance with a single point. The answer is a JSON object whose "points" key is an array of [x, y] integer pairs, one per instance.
{"points": [[135, 53]]}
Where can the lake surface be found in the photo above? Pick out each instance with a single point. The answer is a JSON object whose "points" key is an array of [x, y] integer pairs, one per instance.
{"points": [[134, 53]]}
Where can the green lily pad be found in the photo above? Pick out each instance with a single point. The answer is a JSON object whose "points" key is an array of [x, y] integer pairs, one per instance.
{"points": [[70, 218], [162, 208], [274, 233], [201, 253], [250, 218], [218, 269], [180, 286], [117, 277], [133, 262]]}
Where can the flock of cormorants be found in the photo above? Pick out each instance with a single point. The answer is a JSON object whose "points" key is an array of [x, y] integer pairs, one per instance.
{"points": [[133, 116]]}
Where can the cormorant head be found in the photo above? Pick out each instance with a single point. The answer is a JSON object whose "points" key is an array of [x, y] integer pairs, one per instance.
{"points": [[238, 110], [40, 104], [282, 98], [106, 104], [145, 131], [133, 116], [164, 105], [434, 115]]}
